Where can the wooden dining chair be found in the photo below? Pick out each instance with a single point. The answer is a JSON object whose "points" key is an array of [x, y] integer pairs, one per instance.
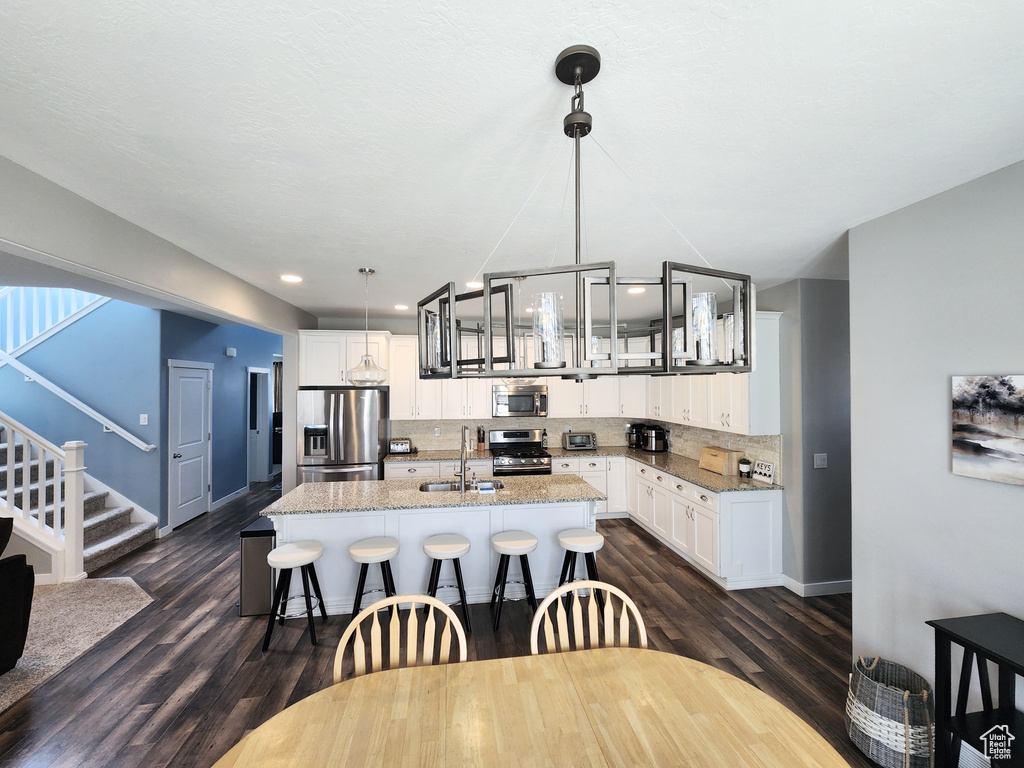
{"points": [[586, 625], [418, 633]]}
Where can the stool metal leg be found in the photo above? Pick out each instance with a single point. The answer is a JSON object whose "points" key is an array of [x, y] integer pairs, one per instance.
{"points": [[287, 576], [565, 568], [304, 571], [316, 591], [502, 577], [359, 588], [462, 594], [524, 561], [592, 574], [389, 578], [275, 608], [435, 573]]}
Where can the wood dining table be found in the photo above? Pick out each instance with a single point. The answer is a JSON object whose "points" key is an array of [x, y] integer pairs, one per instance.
{"points": [[602, 707]]}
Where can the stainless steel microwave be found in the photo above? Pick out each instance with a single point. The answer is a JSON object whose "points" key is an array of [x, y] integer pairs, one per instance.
{"points": [[518, 400]]}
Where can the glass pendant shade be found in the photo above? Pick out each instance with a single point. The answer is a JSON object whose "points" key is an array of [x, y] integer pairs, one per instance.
{"points": [[367, 373], [548, 331], [705, 331]]}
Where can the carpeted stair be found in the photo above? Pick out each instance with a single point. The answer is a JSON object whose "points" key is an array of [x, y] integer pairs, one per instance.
{"points": [[108, 532]]}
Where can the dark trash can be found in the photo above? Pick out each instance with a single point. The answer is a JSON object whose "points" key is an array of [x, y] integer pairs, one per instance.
{"points": [[256, 578]]}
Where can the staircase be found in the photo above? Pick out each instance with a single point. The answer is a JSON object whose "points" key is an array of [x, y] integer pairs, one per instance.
{"points": [[108, 532]]}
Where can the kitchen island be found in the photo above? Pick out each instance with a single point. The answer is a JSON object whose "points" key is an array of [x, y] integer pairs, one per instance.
{"points": [[339, 514]]}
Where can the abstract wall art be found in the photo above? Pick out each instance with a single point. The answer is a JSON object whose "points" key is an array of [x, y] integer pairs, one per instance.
{"points": [[988, 428]]}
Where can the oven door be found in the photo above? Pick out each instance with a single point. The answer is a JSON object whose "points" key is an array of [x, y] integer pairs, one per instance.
{"points": [[500, 471]]}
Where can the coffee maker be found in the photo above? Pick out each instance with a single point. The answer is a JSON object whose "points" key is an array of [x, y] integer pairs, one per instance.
{"points": [[635, 435]]}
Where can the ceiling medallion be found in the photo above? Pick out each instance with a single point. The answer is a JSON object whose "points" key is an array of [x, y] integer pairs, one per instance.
{"points": [[579, 328]]}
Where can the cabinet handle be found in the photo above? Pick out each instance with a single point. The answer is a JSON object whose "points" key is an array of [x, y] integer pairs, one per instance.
{"points": [[703, 497], [593, 464], [659, 478], [643, 471], [586, 408], [565, 466], [410, 470], [679, 487]]}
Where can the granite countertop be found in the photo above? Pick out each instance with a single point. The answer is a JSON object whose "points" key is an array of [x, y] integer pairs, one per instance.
{"points": [[386, 495], [672, 463]]}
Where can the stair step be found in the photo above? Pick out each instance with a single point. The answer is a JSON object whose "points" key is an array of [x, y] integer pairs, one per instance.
{"points": [[105, 524], [19, 473], [18, 452], [106, 552], [93, 503]]}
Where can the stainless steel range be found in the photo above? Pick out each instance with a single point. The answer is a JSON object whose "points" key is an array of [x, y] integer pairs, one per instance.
{"points": [[519, 452]]}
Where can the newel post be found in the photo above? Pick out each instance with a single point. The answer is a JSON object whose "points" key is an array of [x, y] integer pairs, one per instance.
{"points": [[74, 508]]}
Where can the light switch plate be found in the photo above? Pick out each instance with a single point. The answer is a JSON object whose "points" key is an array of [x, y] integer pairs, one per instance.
{"points": [[764, 472], [821, 461], [143, 419]]}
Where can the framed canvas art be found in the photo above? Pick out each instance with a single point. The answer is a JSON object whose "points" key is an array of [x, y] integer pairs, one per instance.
{"points": [[988, 427]]}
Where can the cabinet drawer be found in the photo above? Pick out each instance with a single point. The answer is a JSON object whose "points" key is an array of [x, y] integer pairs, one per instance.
{"points": [[481, 467], [396, 469], [565, 466], [705, 499], [593, 464]]}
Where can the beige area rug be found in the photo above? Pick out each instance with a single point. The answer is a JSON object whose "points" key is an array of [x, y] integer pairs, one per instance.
{"points": [[67, 620]]}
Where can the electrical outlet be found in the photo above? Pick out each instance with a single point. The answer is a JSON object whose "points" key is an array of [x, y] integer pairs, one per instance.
{"points": [[821, 461], [437, 431], [728, 443], [143, 419]]}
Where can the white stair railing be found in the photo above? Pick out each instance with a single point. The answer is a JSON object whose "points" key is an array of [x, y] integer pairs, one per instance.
{"points": [[47, 507], [28, 315]]}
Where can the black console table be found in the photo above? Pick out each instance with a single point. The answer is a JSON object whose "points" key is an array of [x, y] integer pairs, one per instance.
{"points": [[995, 637]]}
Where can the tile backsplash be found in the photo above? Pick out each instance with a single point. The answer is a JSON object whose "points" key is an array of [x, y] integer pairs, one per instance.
{"points": [[685, 441]]}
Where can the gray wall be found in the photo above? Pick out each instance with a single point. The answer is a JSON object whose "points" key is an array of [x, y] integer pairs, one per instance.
{"points": [[935, 291], [815, 368]]}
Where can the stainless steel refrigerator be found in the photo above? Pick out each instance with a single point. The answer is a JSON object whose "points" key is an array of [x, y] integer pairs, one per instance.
{"points": [[343, 433]]}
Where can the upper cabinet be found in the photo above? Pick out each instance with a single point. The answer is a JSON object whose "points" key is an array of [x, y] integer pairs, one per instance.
{"points": [[325, 357], [411, 396], [592, 397]]}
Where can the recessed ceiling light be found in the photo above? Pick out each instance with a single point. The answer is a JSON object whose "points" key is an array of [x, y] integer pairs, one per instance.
{"points": [[401, 306], [474, 284], [636, 289], [291, 278]]}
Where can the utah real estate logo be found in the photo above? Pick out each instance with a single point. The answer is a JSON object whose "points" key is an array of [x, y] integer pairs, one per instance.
{"points": [[997, 742]]}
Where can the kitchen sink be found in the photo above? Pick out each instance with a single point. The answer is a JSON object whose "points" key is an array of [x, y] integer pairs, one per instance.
{"points": [[433, 486]]}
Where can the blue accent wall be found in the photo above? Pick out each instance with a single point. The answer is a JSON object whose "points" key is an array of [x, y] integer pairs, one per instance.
{"points": [[110, 361], [185, 338]]}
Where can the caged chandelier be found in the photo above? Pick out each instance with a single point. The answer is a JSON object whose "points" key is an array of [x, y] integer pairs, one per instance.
{"points": [[583, 320]]}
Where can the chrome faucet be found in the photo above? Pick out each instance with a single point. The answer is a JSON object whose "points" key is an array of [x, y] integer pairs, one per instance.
{"points": [[462, 460]]}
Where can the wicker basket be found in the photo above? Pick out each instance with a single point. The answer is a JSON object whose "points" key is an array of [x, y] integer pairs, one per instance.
{"points": [[889, 714]]}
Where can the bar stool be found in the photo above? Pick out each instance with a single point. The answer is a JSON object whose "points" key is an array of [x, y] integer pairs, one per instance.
{"points": [[376, 549], [448, 546], [507, 544], [577, 541], [301, 555]]}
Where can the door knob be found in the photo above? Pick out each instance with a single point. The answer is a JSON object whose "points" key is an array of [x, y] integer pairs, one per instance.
{"points": [[176, 456]]}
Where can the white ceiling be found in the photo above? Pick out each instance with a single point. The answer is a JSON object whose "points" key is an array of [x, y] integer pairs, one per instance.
{"points": [[317, 137]]}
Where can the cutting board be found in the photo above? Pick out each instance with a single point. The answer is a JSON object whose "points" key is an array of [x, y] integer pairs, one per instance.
{"points": [[721, 461]]}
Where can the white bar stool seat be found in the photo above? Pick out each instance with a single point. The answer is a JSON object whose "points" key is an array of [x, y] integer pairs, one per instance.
{"points": [[447, 546], [376, 549], [580, 541], [509, 544], [301, 555]]}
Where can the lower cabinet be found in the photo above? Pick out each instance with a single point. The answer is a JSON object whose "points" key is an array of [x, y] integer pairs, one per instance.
{"points": [[734, 537], [428, 469], [606, 473]]}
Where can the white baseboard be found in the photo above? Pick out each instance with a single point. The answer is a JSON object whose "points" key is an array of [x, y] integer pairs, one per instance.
{"points": [[819, 588], [229, 498], [161, 532]]}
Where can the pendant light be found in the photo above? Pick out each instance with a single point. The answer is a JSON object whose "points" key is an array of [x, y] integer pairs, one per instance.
{"points": [[367, 373]]}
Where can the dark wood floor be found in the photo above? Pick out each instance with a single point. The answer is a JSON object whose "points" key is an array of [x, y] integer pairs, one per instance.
{"points": [[184, 680]]}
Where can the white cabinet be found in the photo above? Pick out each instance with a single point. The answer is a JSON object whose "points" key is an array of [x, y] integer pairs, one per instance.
{"points": [[633, 396], [689, 405], [728, 402], [326, 356], [478, 467], [616, 485], [466, 398], [601, 397], [659, 397], [565, 465], [411, 396], [734, 536], [407, 469]]}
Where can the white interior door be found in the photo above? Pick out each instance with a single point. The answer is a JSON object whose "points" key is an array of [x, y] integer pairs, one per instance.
{"points": [[259, 425], [188, 441]]}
